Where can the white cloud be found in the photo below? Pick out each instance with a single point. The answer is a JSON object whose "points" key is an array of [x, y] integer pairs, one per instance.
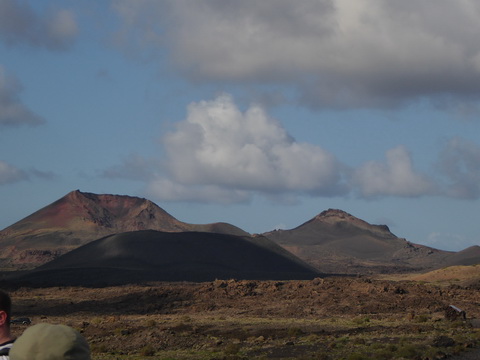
{"points": [[12, 111], [219, 153], [218, 145], [395, 177], [169, 190], [10, 174], [335, 53], [460, 163], [19, 24]]}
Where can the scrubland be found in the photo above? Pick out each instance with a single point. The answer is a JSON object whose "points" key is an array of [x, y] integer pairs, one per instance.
{"points": [[330, 318]]}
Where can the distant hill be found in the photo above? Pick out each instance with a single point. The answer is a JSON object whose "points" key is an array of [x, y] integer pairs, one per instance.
{"points": [[463, 275], [148, 255], [332, 242], [335, 241], [78, 218], [468, 256]]}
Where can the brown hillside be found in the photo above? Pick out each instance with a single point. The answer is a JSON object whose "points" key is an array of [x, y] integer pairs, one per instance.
{"points": [[337, 242], [461, 275], [79, 218], [468, 256]]}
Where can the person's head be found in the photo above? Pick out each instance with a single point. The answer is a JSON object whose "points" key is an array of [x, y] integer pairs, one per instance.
{"points": [[5, 309], [50, 342]]}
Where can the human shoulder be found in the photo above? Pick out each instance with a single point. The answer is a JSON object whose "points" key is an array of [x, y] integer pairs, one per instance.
{"points": [[4, 349]]}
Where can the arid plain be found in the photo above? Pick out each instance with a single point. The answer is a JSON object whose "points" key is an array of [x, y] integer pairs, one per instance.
{"points": [[140, 284], [323, 318]]}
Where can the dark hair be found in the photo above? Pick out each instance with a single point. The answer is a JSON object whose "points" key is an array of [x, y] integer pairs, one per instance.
{"points": [[6, 304]]}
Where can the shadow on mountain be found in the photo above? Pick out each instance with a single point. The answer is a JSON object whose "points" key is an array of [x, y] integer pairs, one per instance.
{"points": [[145, 256]]}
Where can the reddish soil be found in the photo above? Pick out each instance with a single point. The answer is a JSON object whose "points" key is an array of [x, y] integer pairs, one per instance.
{"points": [[265, 319]]}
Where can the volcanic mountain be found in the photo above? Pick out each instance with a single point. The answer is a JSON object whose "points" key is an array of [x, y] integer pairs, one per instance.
{"points": [[79, 218], [335, 241], [149, 255]]}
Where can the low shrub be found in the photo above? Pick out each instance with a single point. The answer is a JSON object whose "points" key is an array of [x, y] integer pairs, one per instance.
{"points": [[295, 332], [407, 351], [232, 349], [147, 350], [150, 323]]}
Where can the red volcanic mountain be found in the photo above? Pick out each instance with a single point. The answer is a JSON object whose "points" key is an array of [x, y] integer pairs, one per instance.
{"points": [[79, 218], [335, 241]]}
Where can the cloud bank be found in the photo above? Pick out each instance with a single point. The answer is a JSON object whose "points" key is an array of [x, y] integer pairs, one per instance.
{"points": [[12, 111], [10, 174], [19, 24], [395, 177], [330, 53], [460, 164], [218, 146], [219, 153]]}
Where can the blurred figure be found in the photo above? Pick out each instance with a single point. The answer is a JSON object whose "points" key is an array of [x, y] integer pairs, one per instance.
{"points": [[50, 342], [6, 338]]}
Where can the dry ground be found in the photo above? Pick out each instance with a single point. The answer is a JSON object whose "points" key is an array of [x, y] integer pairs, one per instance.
{"points": [[331, 318]]}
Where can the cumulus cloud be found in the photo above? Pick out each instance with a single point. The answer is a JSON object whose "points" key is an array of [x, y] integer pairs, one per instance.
{"points": [[10, 174], [12, 111], [169, 190], [334, 53], [460, 164], [395, 177], [222, 154], [19, 24], [217, 144]]}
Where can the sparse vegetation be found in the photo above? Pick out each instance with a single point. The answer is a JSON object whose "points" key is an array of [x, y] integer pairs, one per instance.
{"points": [[302, 320], [150, 323], [147, 350]]}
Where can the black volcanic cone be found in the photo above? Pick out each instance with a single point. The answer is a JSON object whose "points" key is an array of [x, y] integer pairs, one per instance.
{"points": [[149, 255]]}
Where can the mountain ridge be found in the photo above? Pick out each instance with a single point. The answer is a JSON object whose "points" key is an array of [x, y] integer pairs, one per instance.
{"points": [[333, 241], [334, 237], [80, 217]]}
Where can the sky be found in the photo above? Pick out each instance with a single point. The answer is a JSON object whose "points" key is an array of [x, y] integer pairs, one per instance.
{"points": [[261, 114]]}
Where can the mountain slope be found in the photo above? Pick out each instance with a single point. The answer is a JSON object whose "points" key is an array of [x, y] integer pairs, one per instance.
{"points": [[335, 241], [79, 218], [468, 256], [160, 256]]}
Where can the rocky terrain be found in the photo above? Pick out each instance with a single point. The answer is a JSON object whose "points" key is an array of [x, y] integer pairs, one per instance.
{"points": [[330, 318]]}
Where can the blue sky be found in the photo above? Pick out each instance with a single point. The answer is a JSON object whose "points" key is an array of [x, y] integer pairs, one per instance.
{"points": [[257, 113]]}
